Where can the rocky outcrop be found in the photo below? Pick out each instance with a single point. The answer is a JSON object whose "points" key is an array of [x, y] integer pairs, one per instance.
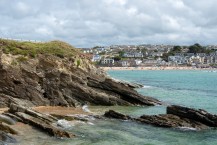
{"points": [[171, 121], [193, 114], [46, 123], [117, 115], [59, 81], [176, 117]]}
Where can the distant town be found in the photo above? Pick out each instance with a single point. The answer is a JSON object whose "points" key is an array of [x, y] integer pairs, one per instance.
{"points": [[153, 55]]}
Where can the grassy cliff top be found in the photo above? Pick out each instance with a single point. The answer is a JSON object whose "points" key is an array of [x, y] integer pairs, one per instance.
{"points": [[32, 49]]}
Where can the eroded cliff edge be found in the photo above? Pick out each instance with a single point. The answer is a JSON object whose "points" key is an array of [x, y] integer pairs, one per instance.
{"points": [[56, 74]]}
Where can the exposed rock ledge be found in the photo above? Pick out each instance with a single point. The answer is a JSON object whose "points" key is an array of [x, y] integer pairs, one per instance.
{"points": [[51, 80], [176, 117], [46, 123]]}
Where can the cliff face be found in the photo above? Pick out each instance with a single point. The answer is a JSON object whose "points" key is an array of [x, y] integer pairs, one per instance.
{"points": [[54, 79]]}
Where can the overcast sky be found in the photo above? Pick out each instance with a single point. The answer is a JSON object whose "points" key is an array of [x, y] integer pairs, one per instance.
{"points": [[87, 23]]}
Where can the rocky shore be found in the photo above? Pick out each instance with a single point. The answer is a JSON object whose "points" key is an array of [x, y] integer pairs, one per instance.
{"points": [[56, 74], [176, 117]]}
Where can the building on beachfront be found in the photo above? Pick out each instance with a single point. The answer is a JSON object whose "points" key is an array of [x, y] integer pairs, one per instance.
{"points": [[150, 62], [138, 61], [106, 61], [194, 60], [124, 63], [178, 59]]}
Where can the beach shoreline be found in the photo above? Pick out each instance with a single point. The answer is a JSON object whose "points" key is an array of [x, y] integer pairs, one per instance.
{"points": [[155, 68]]}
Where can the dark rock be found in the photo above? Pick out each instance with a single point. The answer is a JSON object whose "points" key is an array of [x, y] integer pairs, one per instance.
{"points": [[177, 117], [193, 114], [170, 121], [116, 115]]}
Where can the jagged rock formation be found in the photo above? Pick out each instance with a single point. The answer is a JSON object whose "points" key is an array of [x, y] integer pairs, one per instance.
{"points": [[193, 114], [54, 79], [176, 117], [46, 123]]}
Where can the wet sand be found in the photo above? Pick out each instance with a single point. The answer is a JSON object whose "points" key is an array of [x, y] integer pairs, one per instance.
{"points": [[60, 110]]}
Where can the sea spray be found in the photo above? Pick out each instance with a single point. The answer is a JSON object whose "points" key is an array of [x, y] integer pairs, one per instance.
{"points": [[64, 123], [86, 109]]}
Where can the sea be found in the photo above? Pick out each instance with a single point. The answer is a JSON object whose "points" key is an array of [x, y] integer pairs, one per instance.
{"points": [[191, 88]]}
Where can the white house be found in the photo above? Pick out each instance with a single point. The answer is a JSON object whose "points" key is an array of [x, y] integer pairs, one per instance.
{"points": [[177, 59], [87, 50], [138, 61], [124, 63], [96, 58]]}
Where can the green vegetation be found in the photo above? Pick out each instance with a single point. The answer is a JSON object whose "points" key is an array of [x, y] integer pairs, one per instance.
{"points": [[117, 58], [78, 62], [31, 49], [197, 48], [21, 59], [144, 50], [121, 53], [176, 49], [14, 63]]}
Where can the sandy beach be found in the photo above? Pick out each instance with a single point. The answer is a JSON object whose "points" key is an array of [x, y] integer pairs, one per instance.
{"points": [[155, 68]]}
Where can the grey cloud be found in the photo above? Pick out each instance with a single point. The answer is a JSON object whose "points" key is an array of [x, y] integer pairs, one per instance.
{"points": [[85, 23]]}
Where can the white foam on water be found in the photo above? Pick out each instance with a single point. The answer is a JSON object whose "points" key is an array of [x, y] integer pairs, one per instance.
{"points": [[147, 87], [64, 123], [85, 109], [187, 128], [90, 123]]}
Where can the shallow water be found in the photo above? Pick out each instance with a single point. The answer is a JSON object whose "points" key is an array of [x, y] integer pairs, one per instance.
{"points": [[190, 88]]}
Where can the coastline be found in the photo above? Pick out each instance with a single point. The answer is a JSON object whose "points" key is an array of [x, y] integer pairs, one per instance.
{"points": [[154, 68]]}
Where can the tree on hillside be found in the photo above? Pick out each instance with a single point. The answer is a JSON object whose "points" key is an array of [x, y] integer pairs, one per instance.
{"points": [[144, 50], [117, 58], [177, 49], [121, 53], [196, 48]]}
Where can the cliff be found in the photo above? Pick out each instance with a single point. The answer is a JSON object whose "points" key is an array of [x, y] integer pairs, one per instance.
{"points": [[57, 74]]}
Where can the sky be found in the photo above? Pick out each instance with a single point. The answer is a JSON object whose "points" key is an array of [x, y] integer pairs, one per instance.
{"points": [[87, 23]]}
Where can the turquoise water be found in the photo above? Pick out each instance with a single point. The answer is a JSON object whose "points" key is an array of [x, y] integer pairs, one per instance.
{"points": [[196, 89], [190, 88]]}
